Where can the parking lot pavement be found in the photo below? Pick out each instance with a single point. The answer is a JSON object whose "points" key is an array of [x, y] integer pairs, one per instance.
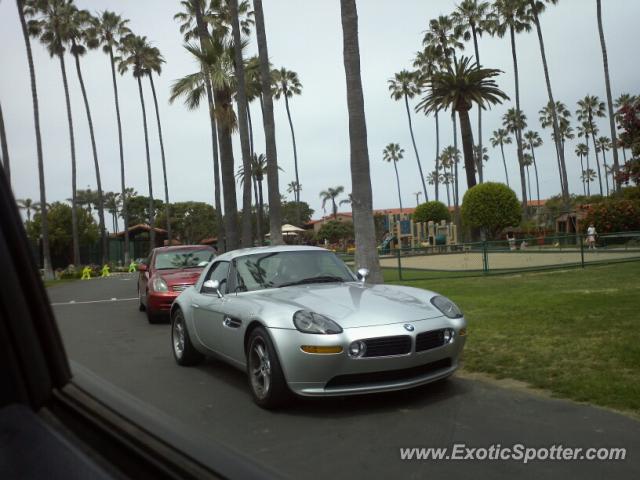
{"points": [[352, 437]]}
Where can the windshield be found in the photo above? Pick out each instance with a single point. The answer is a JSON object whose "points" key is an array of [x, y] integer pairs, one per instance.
{"points": [[183, 259], [278, 269]]}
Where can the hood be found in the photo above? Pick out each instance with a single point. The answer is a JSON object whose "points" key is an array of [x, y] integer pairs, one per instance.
{"points": [[355, 305], [178, 276]]}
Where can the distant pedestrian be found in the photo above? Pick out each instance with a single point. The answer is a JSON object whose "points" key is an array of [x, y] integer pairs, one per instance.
{"points": [[105, 271], [86, 273], [512, 242], [591, 237], [133, 267]]}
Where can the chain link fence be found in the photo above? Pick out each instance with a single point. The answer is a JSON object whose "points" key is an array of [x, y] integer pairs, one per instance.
{"points": [[507, 256]]}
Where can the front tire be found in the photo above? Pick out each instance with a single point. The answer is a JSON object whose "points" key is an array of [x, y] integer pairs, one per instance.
{"points": [[183, 350], [266, 380]]}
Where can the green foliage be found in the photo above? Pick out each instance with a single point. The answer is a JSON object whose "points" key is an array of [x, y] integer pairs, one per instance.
{"points": [[138, 209], [191, 222], [335, 230], [431, 211], [60, 242], [628, 193], [614, 215], [492, 206], [289, 213]]}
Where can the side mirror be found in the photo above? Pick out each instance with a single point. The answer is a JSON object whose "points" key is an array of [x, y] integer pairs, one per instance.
{"points": [[142, 267], [212, 286], [363, 273]]}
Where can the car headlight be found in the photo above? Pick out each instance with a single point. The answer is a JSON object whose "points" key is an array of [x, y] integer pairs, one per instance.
{"points": [[446, 306], [159, 285], [311, 322]]}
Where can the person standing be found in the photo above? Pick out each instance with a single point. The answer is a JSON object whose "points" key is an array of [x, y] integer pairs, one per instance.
{"points": [[591, 237]]}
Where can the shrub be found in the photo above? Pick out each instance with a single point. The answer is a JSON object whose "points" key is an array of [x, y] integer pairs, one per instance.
{"points": [[613, 216], [492, 206], [431, 211], [334, 231]]}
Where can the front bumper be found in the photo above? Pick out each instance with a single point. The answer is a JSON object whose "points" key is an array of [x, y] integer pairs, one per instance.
{"points": [[160, 302], [310, 374]]}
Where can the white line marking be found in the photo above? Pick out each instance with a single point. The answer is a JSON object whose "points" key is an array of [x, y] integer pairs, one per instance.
{"points": [[73, 302]]}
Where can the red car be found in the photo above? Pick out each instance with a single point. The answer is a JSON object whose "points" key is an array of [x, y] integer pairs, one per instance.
{"points": [[166, 273]]}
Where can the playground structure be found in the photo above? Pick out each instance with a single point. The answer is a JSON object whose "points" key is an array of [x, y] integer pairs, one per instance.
{"points": [[404, 233]]}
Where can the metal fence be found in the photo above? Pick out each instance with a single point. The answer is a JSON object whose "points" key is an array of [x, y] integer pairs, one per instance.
{"points": [[504, 256]]}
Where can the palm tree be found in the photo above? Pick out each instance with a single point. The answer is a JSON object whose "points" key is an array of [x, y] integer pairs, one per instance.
{"points": [[404, 86], [362, 205], [501, 138], [534, 141], [259, 170], [604, 145], [588, 176], [137, 55], [286, 85], [515, 121], [393, 153], [113, 203], [459, 87], [607, 83], [275, 210], [584, 131], [470, 16], [4, 149], [330, 194], [528, 161], [509, 16], [80, 36], [447, 161], [44, 223], [582, 151], [27, 205], [107, 31], [194, 14], [536, 7], [563, 116], [293, 187], [50, 23], [241, 98], [154, 64], [588, 108], [450, 157], [480, 154]]}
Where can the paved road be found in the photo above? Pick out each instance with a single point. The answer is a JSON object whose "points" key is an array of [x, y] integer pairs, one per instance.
{"points": [[354, 437]]}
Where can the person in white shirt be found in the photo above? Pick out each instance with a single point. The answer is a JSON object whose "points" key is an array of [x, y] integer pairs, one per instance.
{"points": [[591, 237]]}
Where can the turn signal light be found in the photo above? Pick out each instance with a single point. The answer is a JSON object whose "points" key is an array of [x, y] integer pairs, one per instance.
{"points": [[318, 349], [462, 332]]}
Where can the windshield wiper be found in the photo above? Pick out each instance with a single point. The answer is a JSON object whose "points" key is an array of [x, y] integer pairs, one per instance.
{"points": [[319, 279]]}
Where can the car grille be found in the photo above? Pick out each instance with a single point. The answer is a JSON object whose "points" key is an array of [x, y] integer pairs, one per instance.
{"points": [[180, 288], [429, 340], [406, 374], [385, 346]]}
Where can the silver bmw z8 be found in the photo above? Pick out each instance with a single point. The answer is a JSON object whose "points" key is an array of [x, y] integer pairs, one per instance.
{"points": [[296, 319]]}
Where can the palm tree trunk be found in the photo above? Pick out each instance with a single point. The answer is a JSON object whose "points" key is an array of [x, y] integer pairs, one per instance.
{"points": [[455, 165], [518, 132], [275, 209], [152, 231], [366, 245], [4, 149], [255, 180], [479, 165], [554, 115], [260, 209], [125, 212], [535, 168], [74, 212], [44, 222], [624, 156], [584, 191], [595, 147], [528, 179], [606, 175], [415, 149], [607, 82], [223, 100], [167, 210], [334, 208], [448, 195], [241, 99], [295, 160], [395, 166], [203, 35], [94, 150], [437, 182], [504, 162], [467, 147]]}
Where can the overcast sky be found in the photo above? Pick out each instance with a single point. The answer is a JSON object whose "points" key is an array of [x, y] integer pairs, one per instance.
{"points": [[304, 36]]}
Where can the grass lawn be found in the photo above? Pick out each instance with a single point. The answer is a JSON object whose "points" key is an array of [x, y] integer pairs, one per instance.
{"points": [[574, 332]]}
